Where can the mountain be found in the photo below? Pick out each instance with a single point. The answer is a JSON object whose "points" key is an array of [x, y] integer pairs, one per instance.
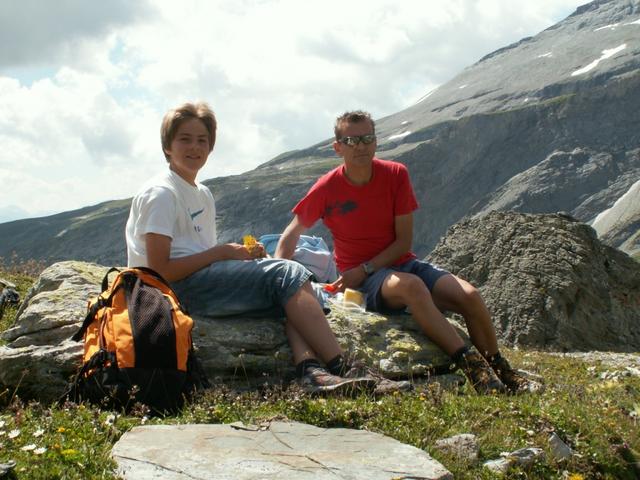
{"points": [[546, 124]]}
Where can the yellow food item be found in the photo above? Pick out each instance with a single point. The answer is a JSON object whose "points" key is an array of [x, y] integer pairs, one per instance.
{"points": [[249, 241], [251, 244], [353, 296]]}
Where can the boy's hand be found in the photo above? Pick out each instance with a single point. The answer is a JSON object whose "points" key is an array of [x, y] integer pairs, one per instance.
{"points": [[235, 251], [255, 248]]}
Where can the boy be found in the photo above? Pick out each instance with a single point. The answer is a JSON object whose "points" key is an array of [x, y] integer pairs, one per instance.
{"points": [[171, 229]]}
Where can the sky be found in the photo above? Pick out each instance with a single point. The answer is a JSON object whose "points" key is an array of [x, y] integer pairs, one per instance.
{"points": [[84, 84]]}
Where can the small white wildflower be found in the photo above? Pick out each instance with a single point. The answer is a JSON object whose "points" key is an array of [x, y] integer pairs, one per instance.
{"points": [[2, 423], [2, 432], [38, 433], [40, 450], [14, 433], [111, 418], [28, 448], [144, 420]]}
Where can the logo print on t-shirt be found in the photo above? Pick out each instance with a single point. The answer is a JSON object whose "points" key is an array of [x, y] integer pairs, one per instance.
{"points": [[195, 214], [340, 208]]}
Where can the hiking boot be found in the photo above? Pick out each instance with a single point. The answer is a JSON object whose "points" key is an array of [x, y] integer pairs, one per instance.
{"points": [[513, 380], [480, 373], [318, 381], [383, 386]]}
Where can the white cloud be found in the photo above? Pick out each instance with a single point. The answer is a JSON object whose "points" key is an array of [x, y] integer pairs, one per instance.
{"points": [[84, 86]]}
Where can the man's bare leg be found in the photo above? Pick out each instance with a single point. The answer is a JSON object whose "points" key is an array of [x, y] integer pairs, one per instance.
{"points": [[405, 289], [457, 295]]}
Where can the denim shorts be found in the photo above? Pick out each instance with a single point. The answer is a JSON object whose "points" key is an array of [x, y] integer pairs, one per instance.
{"points": [[249, 287], [372, 286]]}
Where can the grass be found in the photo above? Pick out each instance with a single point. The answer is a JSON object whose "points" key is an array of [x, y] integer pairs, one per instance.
{"points": [[22, 275], [597, 417]]}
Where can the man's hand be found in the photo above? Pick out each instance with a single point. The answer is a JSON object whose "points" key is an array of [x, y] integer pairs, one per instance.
{"points": [[352, 278]]}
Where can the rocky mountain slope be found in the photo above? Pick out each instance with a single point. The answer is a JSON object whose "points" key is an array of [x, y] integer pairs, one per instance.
{"points": [[547, 124]]}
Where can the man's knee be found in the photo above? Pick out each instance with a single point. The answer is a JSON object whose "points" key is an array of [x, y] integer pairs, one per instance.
{"points": [[471, 298], [407, 286]]}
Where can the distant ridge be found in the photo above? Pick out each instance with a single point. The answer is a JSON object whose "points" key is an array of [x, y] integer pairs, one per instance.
{"points": [[527, 128]]}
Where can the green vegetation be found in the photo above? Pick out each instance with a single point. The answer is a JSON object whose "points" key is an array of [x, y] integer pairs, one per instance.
{"points": [[597, 415], [22, 275]]}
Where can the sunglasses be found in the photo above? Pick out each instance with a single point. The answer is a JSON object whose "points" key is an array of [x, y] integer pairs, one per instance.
{"points": [[353, 141]]}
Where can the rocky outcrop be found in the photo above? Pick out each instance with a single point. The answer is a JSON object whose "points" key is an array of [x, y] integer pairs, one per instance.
{"points": [[39, 357], [549, 282]]}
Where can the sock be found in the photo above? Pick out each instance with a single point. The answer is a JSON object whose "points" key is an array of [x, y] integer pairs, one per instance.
{"points": [[304, 366], [337, 366], [495, 358], [458, 354]]}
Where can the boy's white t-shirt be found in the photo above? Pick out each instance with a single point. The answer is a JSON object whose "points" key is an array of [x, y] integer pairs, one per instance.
{"points": [[171, 206]]}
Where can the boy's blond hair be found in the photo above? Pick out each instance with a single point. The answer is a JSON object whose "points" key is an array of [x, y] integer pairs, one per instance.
{"points": [[177, 116]]}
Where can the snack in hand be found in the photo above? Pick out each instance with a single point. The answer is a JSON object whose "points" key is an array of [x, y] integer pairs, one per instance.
{"points": [[255, 249]]}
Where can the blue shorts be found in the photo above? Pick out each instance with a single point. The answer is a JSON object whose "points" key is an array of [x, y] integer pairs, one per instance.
{"points": [[249, 287], [372, 286]]}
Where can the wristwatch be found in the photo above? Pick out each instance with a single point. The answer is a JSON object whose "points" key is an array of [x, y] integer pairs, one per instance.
{"points": [[368, 268]]}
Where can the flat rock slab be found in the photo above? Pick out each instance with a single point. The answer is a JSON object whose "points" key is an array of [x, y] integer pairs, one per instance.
{"points": [[278, 450]]}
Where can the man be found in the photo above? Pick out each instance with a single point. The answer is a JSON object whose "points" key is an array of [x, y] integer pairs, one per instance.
{"points": [[171, 229], [368, 205]]}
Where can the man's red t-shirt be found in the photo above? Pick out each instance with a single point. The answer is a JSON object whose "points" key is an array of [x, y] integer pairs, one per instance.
{"points": [[360, 218]]}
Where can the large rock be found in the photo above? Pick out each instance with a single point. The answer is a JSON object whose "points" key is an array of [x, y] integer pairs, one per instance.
{"points": [[40, 358], [293, 451], [549, 282]]}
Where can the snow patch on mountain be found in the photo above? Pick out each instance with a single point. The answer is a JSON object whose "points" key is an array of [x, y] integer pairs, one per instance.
{"points": [[605, 54], [623, 208], [399, 135]]}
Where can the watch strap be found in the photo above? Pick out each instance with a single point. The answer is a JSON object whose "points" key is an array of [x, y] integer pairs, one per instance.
{"points": [[368, 268]]}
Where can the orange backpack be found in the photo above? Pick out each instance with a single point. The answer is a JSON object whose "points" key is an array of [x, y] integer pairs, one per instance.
{"points": [[137, 346]]}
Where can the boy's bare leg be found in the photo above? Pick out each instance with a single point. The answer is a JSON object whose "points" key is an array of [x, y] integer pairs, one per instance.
{"points": [[308, 325], [299, 348], [457, 295], [405, 289]]}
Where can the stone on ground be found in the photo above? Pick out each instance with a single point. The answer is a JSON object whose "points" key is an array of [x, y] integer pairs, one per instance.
{"points": [[292, 451], [463, 446]]}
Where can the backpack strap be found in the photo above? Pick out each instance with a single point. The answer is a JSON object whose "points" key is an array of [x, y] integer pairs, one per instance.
{"points": [[93, 309], [105, 280], [91, 313]]}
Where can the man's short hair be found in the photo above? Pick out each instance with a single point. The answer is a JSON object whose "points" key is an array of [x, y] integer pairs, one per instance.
{"points": [[354, 116], [177, 116]]}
